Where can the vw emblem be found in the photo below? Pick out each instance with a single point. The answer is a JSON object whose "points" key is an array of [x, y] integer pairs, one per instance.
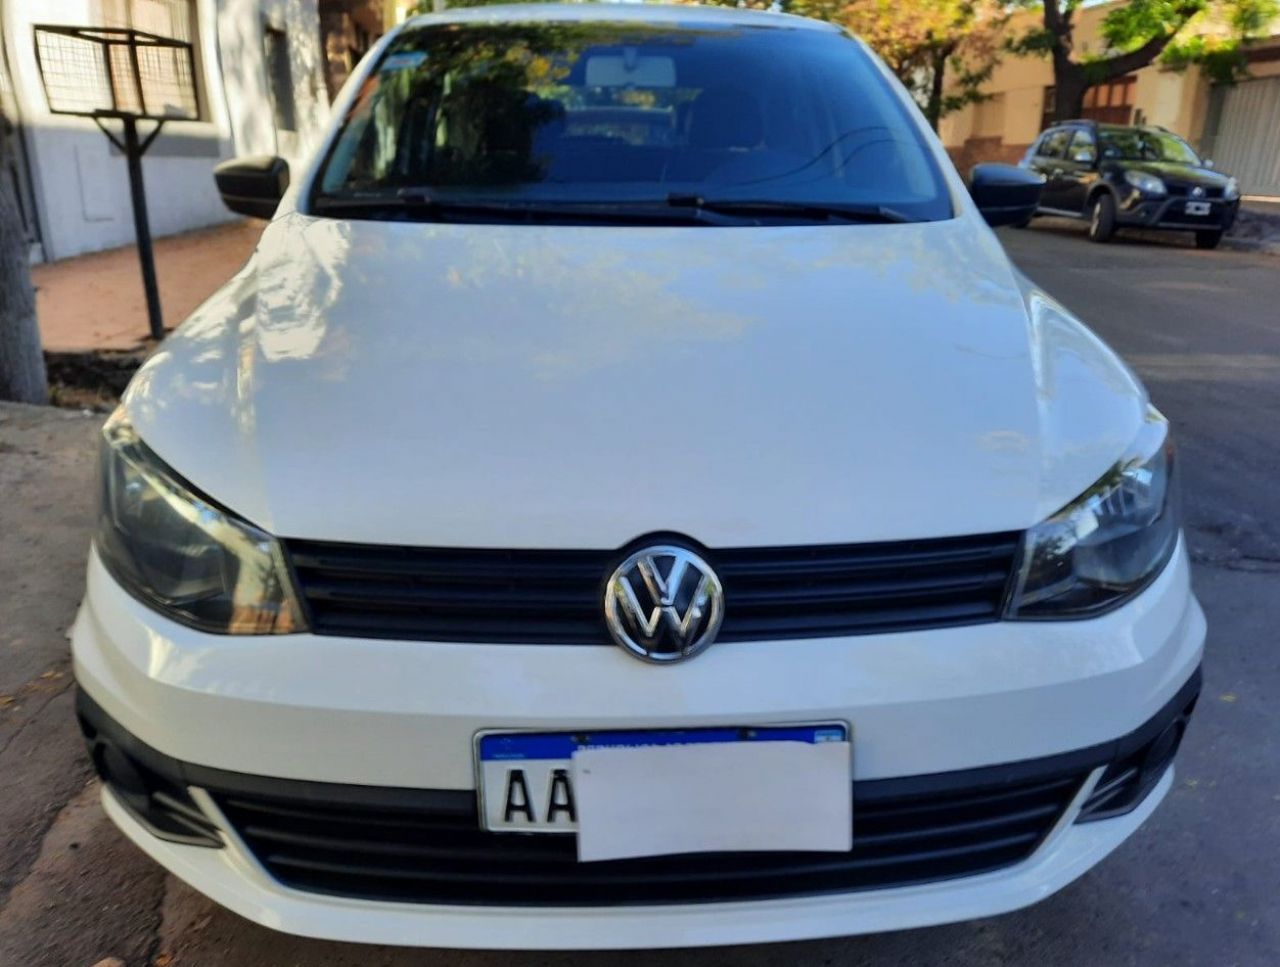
{"points": [[1197, 192], [664, 604]]}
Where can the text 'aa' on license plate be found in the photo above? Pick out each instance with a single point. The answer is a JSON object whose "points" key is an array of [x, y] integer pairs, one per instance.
{"points": [[1198, 208], [655, 792]]}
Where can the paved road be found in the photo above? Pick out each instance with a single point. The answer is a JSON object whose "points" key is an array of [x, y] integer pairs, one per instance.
{"points": [[1199, 885]]}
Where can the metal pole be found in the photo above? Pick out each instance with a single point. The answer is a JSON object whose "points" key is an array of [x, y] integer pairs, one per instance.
{"points": [[141, 227]]}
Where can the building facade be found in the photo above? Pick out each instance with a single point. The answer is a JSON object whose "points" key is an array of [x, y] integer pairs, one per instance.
{"points": [[261, 83], [1238, 126]]}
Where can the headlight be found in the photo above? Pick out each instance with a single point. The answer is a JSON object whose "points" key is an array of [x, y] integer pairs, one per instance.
{"points": [[1145, 183], [1232, 191], [180, 554], [1109, 543]]}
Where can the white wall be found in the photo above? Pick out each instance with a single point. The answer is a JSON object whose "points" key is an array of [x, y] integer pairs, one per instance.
{"points": [[81, 183], [244, 75]]}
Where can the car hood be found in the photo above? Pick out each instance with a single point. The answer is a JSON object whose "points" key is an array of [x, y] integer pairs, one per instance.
{"points": [[1180, 174], [555, 386]]}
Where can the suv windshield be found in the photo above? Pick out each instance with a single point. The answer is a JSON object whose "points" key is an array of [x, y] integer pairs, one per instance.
{"points": [[628, 117], [1135, 145]]}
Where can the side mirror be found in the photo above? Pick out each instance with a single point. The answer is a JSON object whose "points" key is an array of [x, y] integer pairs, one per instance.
{"points": [[1005, 194], [1208, 162], [252, 186]]}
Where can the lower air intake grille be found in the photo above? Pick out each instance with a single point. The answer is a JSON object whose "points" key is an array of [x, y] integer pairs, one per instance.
{"points": [[427, 847], [554, 597]]}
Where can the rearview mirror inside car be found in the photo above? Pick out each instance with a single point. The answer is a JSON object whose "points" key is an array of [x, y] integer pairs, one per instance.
{"points": [[630, 69], [1005, 194], [252, 186]]}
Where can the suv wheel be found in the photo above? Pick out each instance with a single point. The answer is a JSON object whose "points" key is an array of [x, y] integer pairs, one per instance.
{"points": [[1208, 239], [1102, 218]]}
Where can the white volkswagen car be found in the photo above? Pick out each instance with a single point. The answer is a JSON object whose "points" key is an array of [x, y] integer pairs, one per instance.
{"points": [[629, 499]]}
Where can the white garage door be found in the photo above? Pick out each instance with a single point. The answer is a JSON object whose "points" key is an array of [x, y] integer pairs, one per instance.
{"points": [[1248, 141]]}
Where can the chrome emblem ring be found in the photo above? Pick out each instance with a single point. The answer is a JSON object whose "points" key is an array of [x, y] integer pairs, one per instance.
{"points": [[664, 604]]}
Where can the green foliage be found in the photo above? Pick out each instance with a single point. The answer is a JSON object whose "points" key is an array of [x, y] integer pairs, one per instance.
{"points": [[1130, 25], [1036, 41], [1140, 32], [1222, 59], [1250, 18], [966, 82]]}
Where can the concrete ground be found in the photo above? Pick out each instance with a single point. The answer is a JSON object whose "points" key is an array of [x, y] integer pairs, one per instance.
{"points": [[1197, 886], [96, 301]]}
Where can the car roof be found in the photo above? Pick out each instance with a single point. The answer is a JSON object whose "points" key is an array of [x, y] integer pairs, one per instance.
{"points": [[1103, 126], [619, 12]]}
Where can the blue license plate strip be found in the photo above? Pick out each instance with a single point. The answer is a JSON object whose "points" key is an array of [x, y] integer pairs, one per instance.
{"points": [[539, 746]]}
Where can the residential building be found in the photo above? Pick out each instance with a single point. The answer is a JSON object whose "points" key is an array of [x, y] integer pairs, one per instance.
{"points": [[1238, 126], [265, 74]]}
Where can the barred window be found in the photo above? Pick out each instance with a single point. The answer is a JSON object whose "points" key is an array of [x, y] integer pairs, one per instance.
{"points": [[167, 18]]}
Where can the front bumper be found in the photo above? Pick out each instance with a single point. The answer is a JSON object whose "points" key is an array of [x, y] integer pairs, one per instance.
{"points": [[232, 878], [401, 716], [1141, 212]]}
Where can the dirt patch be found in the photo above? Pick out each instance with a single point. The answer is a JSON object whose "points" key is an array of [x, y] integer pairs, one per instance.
{"points": [[1256, 229], [92, 380]]}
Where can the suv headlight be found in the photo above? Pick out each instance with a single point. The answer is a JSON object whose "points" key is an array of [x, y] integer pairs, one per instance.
{"points": [[180, 554], [1232, 191], [1110, 542], [1145, 183]]}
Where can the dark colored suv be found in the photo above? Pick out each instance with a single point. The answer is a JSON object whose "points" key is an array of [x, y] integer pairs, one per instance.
{"points": [[1141, 177]]}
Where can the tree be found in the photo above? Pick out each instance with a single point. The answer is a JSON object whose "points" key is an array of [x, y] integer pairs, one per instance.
{"points": [[22, 374], [942, 50], [1136, 32], [1222, 55]]}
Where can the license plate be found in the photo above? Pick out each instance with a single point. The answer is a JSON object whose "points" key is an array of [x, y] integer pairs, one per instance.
{"points": [[647, 792], [1198, 208]]}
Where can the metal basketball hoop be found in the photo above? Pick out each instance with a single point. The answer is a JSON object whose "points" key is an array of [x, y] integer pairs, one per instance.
{"points": [[111, 73]]}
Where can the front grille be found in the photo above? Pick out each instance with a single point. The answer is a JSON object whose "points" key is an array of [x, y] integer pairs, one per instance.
{"points": [[391, 847], [1184, 191], [554, 597]]}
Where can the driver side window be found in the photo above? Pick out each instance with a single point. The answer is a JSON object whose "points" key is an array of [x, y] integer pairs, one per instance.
{"points": [[1054, 144], [1083, 148]]}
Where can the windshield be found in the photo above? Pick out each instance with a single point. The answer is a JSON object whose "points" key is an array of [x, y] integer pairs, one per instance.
{"points": [[1134, 145], [554, 114]]}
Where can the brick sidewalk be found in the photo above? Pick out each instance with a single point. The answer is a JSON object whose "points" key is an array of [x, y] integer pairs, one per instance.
{"points": [[96, 301]]}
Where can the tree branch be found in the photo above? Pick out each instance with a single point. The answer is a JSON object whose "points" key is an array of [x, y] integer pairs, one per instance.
{"points": [[1112, 67]]}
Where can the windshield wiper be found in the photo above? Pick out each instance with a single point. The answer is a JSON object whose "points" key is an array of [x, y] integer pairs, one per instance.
{"points": [[807, 210], [407, 200], [419, 204]]}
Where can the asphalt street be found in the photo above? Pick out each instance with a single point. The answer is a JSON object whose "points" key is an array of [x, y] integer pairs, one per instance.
{"points": [[1198, 885]]}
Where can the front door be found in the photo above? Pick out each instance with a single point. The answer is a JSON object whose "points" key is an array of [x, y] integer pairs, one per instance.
{"points": [[1048, 160], [1079, 170]]}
